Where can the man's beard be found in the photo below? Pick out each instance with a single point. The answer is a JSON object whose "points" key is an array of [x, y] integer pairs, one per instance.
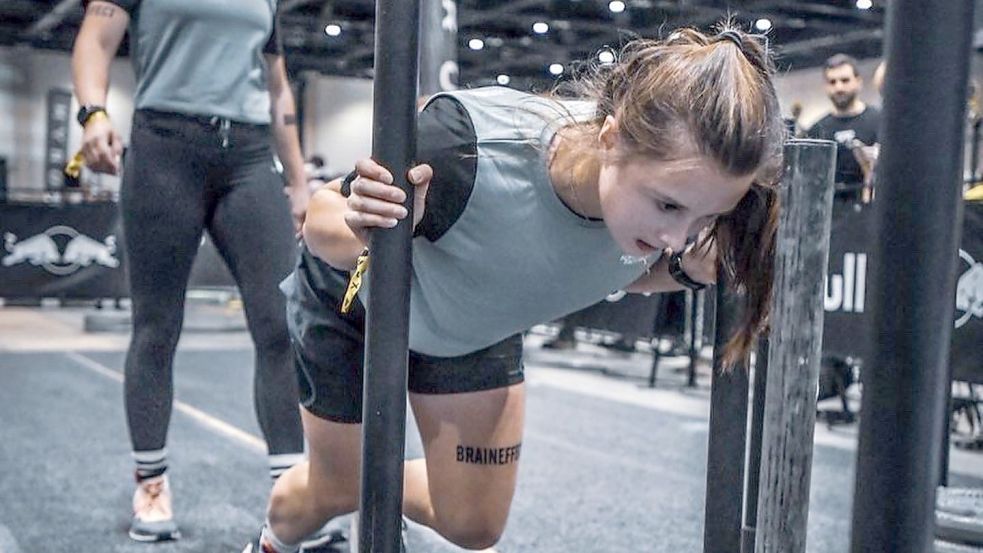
{"points": [[843, 101]]}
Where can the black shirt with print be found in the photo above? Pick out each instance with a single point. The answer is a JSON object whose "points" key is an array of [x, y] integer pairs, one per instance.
{"points": [[843, 131]]}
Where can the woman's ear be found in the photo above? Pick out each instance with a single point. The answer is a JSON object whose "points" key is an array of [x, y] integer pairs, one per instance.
{"points": [[608, 136]]}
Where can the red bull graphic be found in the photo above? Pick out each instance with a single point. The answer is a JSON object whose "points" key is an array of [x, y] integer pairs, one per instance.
{"points": [[36, 250], [969, 290], [42, 250], [848, 292]]}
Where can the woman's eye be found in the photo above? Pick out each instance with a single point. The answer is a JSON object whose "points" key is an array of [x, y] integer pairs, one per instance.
{"points": [[666, 206]]}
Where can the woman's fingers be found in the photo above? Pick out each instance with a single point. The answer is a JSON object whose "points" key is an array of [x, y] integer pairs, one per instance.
{"points": [[357, 220], [371, 170], [374, 206], [376, 202], [421, 174], [365, 186]]}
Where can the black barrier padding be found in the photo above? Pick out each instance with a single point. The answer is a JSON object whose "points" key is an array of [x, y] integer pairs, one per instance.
{"points": [[848, 330], [75, 251], [967, 337], [67, 251]]}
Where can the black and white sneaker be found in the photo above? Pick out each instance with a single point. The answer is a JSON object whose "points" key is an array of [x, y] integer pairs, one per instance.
{"points": [[153, 519]]}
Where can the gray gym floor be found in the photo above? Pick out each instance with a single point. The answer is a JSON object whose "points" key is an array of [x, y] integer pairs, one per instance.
{"points": [[608, 465]]}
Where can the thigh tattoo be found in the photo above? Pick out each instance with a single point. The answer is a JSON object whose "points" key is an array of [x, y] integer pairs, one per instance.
{"points": [[488, 455]]}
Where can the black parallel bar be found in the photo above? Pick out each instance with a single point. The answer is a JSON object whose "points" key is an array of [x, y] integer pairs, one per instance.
{"points": [[753, 463], [694, 350], [946, 428], [656, 356], [387, 307], [913, 275], [728, 432]]}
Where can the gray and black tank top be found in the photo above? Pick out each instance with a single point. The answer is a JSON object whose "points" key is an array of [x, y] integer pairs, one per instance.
{"points": [[497, 250]]}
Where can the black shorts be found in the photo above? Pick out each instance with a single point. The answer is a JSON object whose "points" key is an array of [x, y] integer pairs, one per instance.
{"points": [[328, 349]]}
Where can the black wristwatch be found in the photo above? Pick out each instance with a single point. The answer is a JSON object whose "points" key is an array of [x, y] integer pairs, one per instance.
{"points": [[680, 276], [87, 111]]}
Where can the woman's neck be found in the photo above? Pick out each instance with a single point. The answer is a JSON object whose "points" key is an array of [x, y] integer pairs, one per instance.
{"points": [[575, 176]]}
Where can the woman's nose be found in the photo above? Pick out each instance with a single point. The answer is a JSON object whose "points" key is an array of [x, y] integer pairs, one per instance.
{"points": [[674, 239]]}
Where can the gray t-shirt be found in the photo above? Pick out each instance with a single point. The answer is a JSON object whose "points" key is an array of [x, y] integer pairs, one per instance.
{"points": [[203, 57], [516, 256], [497, 250]]}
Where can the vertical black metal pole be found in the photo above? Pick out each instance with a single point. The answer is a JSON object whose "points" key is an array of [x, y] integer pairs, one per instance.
{"points": [[753, 464], [694, 353], [656, 356], [801, 258], [946, 429], [387, 322], [728, 431], [656, 339], [913, 278]]}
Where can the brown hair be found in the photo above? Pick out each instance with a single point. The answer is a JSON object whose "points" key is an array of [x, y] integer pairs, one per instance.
{"points": [[837, 60], [712, 94]]}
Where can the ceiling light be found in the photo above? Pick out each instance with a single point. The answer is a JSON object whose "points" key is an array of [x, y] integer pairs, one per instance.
{"points": [[556, 68], [865, 4], [605, 56], [762, 24], [616, 6], [503, 79], [476, 44], [540, 27], [332, 30]]}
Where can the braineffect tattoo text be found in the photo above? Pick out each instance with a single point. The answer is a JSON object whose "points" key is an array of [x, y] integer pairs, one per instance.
{"points": [[488, 455]]}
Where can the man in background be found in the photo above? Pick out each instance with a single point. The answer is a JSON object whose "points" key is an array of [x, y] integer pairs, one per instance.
{"points": [[852, 124]]}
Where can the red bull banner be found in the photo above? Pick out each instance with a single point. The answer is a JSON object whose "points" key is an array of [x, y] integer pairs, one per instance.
{"points": [[75, 251], [70, 251], [847, 331], [967, 336]]}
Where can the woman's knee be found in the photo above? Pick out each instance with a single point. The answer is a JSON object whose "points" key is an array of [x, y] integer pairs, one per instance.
{"points": [[268, 329], [158, 330], [321, 500], [472, 530], [337, 501]]}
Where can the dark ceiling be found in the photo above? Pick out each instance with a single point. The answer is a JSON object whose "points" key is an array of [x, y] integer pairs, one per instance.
{"points": [[802, 33]]}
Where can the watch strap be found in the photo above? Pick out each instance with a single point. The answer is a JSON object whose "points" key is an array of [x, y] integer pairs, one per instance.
{"points": [[87, 111], [680, 276]]}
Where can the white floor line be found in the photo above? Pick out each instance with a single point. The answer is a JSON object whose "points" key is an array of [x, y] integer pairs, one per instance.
{"points": [[208, 421]]}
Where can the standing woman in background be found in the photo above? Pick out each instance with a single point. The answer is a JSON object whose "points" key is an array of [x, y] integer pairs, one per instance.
{"points": [[211, 91]]}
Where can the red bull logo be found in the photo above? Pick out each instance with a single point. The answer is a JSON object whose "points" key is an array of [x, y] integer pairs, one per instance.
{"points": [[42, 250], [969, 290], [848, 292]]}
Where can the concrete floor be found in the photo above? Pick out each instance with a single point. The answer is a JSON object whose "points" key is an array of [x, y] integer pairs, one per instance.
{"points": [[608, 465]]}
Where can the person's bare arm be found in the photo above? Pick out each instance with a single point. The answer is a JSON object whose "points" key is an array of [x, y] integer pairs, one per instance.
{"points": [[283, 112], [95, 46], [325, 231]]}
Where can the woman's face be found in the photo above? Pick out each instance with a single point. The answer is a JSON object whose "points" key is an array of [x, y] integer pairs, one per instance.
{"points": [[650, 205]]}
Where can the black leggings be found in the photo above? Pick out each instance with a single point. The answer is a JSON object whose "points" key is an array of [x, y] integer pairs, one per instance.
{"points": [[184, 175]]}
